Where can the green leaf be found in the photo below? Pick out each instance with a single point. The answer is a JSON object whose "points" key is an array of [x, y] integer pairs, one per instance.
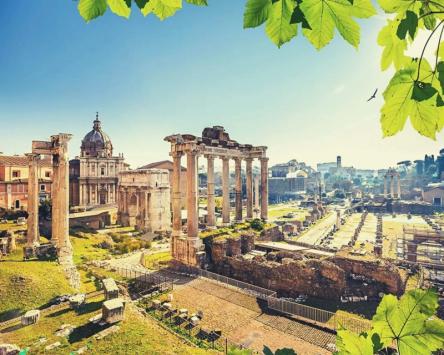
{"points": [[141, 3], [120, 7], [422, 91], [349, 343], [439, 101], [363, 9], [299, 17], [392, 6], [409, 322], [278, 26], [256, 12], [267, 350], [90, 9], [198, 2], [399, 105], [162, 8], [440, 70], [393, 47], [429, 20], [408, 24], [326, 15]]}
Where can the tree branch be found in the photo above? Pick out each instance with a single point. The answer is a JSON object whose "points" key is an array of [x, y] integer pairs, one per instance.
{"points": [[425, 46], [431, 13]]}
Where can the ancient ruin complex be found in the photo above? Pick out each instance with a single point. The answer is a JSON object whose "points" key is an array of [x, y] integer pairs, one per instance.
{"points": [[144, 200], [57, 147], [214, 143]]}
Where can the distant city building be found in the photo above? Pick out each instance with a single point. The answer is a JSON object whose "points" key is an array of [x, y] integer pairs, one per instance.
{"points": [[14, 181], [94, 175], [434, 194], [288, 180]]}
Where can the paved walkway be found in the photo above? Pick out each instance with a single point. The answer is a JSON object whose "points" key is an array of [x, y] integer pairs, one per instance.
{"points": [[315, 233]]}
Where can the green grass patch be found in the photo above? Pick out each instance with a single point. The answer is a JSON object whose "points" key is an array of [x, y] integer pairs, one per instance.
{"points": [[26, 285], [153, 261]]}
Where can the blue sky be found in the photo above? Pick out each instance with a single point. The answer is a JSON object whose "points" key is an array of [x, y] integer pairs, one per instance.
{"points": [[149, 79]]}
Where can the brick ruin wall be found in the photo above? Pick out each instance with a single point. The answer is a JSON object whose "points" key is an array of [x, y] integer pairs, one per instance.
{"points": [[292, 274]]}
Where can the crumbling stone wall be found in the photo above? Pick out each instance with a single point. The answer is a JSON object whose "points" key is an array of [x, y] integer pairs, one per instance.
{"points": [[292, 274], [273, 234], [380, 270], [289, 277]]}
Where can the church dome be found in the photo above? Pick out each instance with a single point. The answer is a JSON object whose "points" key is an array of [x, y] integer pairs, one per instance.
{"points": [[96, 143]]}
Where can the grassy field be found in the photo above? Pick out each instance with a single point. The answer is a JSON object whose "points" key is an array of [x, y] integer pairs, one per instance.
{"points": [[152, 261], [279, 210], [86, 247], [137, 334], [27, 285]]}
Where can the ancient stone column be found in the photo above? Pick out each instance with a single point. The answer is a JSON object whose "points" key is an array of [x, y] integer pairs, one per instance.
{"points": [[256, 194], [33, 200], [176, 194], [210, 192], [225, 191], [398, 178], [392, 186], [146, 216], [264, 188], [55, 224], [385, 186], [192, 201], [61, 208], [249, 182], [238, 189]]}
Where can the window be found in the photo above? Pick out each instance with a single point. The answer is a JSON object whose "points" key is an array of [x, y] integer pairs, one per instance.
{"points": [[42, 187], [437, 201], [17, 203], [16, 173], [102, 171], [47, 174]]}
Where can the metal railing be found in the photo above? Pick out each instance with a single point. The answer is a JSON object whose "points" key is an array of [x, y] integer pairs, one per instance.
{"points": [[163, 282], [256, 291], [319, 317], [312, 315]]}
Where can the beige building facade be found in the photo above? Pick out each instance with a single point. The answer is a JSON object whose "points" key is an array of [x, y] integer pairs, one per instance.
{"points": [[14, 174], [144, 200], [94, 174]]}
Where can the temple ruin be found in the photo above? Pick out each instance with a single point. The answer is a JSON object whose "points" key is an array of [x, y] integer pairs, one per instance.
{"points": [[392, 177], [214, 143], [144, 200], [57, 147]]}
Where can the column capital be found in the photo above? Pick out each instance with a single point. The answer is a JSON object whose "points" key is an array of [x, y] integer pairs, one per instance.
{"points": [[224, 158], [263, 159], [209, 157], [237, 160], [176, 154], [249, 159], [32, 157]]}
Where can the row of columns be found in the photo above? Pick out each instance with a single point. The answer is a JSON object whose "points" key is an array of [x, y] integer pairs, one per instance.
{"points": [[192, 191], [394, 179]]}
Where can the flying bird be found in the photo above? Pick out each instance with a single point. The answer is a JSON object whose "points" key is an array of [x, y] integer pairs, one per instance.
{"points": [[373, 96]]}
